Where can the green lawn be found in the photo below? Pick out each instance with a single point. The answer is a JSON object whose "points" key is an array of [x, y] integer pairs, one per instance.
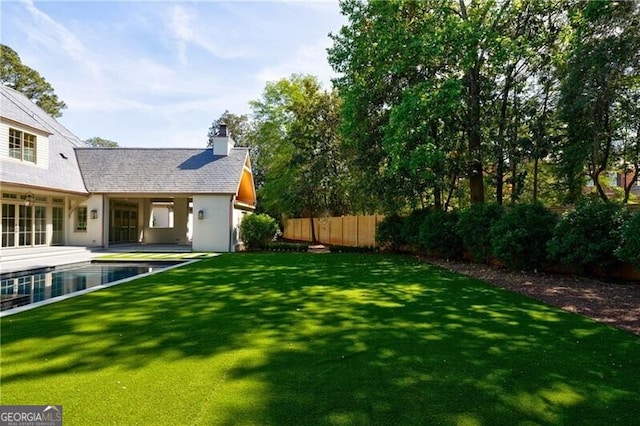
{"points": [[330, 339]]}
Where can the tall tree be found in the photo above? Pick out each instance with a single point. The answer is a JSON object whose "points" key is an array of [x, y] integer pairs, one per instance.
{"points": [[298, 145], [393, 68], [518, 71], [433, 85], [602, 70], [14, 74], [629, 136]]}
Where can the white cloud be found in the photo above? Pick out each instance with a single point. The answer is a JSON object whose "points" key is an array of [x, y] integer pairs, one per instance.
{"points": [[54, 36], [158, 73], [308, 59], [180, 26], [214, 33]]}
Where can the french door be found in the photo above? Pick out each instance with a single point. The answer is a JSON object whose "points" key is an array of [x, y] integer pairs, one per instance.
{"points": [[23, 226], [57, 222], [123, 223], [8, 225]]}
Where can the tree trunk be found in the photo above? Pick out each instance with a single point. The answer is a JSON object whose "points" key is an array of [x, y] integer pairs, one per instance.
{"points": [[314, 240], [535, 179], [475, 168], [596, 182], [514, 144], [501, 126], [628, 184], [476, 180], [452, 188]]}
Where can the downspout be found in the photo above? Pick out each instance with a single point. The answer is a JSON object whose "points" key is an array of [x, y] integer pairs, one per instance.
{"points": [[231, 222], [102, 216]]}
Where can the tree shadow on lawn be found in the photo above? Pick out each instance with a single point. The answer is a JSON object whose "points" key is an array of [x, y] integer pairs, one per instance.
{"points": [[332, 339]]}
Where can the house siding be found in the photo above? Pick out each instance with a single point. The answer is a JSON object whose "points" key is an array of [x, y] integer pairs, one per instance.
{"points": [[212, 233], [93, 235], [42, 145]]}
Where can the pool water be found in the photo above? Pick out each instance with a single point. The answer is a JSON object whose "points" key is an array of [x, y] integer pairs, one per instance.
{"points": [[34, 288]]}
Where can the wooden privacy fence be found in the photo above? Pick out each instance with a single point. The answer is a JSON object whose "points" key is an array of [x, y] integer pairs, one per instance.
{"points": [[353, 231]]}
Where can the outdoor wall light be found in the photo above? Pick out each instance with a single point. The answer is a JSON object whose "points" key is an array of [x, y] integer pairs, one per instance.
{"points": [[29, 199], [200, 214], [94, 214]]}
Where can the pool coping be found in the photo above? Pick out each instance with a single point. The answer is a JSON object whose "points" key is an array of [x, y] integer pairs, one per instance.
{"points": [[60, 298]]}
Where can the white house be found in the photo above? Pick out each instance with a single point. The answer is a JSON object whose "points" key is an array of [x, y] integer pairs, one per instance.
{"points": [[57, 191]]}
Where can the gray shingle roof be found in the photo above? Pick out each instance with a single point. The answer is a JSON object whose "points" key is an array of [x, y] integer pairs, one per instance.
{"points": [[63, 173], [161, 170]]}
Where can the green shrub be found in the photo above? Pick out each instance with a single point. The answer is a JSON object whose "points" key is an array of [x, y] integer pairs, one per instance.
{"points": [[389, 233], [586, 238], [519, 238], [629, 250], [410, 231], [438, 235], [474, 226], [258, 229]]}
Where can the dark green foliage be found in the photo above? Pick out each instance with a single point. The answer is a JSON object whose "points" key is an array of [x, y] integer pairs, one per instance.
{"points": [[256, 230], [629, 250], [520, 237], [585, 239], [438, 234], [473, 227], [396, 232], [389, 232], [410, 231]]}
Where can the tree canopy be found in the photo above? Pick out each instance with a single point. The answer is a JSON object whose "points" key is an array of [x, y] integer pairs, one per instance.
{"points": [[98, 142], [238, 127], [454, 102], [599, 96], [297, 147], [18, 76]]}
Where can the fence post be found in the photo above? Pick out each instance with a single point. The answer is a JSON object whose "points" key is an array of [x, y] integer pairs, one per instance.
{"points": [[375, 228]]}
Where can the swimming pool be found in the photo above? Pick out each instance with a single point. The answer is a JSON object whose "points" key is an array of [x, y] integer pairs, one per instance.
{"points": [[19, 291]]}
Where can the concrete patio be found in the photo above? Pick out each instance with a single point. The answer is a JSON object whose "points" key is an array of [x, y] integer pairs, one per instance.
{"points": [[33, 258]]}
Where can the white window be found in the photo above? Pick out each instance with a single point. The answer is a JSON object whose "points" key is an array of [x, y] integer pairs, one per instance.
{"points": [[22, 145], [81, 219]]}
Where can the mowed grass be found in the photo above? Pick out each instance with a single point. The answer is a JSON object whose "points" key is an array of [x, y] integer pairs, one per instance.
{"points": [[307, 339]]}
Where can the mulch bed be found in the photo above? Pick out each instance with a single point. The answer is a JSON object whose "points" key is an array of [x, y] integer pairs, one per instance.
{"points": [[614, 303]]}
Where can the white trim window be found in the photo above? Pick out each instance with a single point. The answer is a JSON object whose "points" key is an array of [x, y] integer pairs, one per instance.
{"points": [[22, 145], [81, 219]]}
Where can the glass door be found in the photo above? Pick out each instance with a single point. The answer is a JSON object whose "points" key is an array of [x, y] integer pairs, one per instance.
{"points": [[123, 224], [40, 226], [8, 225], [57, 221], [25, 225]]}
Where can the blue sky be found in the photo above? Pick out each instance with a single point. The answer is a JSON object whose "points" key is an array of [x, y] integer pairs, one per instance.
{"points": [[156, 74]]}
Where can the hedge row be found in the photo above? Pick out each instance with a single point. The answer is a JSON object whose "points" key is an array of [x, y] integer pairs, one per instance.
{"points": [[593, 237]]}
